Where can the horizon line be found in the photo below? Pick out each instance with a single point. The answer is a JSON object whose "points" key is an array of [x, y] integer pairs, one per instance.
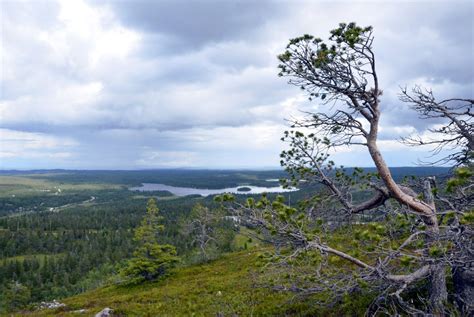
{"points": [[196, 168]]}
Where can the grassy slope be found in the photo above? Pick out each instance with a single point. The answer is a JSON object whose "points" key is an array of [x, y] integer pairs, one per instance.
{"points": [[26, 185], [224, 286]]}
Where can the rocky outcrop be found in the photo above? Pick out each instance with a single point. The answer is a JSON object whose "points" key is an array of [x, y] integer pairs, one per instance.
{"points": [[51, 305], [106, 312]]}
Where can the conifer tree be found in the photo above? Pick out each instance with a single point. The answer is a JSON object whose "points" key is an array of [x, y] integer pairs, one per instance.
{"points": [[151, 260], [15, 296], [414, 244]]}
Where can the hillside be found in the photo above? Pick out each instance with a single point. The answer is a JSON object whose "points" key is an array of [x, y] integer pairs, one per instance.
{"points": [[225, 287], [55, 244]]}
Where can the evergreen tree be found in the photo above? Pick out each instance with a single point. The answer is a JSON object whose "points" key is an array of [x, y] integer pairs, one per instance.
{"points": [[151, 260], [16, 296]]}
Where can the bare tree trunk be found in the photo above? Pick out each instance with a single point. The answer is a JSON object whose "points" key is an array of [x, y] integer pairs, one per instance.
{"points": [[437, 289], [463, 279]]}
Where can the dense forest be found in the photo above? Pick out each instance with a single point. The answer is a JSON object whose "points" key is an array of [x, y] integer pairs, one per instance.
{"points": [[57, 244]]}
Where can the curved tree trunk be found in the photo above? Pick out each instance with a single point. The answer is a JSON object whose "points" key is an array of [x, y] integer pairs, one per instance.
{"points": [[427, 209]]}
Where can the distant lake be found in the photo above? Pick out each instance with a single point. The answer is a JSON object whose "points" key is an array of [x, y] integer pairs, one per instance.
{"points": [[185, 191]]}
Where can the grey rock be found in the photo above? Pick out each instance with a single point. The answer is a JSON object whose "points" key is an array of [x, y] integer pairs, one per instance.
{"points": [[51, 305], [106, 312]]}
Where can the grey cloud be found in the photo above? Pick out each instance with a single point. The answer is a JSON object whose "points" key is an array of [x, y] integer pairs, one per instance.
{"points": [[192, 24], [204, 72], [435, 40]]}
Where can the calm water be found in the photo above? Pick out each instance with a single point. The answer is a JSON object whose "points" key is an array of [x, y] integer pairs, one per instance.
{"points": [[184, 191]]}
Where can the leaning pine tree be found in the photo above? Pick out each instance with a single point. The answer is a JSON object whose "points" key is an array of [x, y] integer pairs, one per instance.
{"points": [[420, 233], [151, 260]]}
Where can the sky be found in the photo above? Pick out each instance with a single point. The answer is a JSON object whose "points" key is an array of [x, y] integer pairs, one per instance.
{"points": [[88, 84]]}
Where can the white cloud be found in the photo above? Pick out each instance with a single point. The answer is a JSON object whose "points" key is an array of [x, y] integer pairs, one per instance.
{"points": [[80, 70], [167, 159], [26, 145], [50, 74]]}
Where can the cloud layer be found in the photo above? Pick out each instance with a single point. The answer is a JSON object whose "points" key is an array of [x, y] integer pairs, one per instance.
{"points": [[140, 84]]}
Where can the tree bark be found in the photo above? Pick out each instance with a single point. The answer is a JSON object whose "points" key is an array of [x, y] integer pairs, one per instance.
{"points": [[437, 289], [427, 209], [463, 279]]}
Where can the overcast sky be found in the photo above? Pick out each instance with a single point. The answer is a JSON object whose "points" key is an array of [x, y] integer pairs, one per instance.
{"points": [[151, 84]]}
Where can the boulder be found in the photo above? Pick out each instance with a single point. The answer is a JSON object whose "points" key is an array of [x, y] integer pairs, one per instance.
{"points": [[106, 312]]}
